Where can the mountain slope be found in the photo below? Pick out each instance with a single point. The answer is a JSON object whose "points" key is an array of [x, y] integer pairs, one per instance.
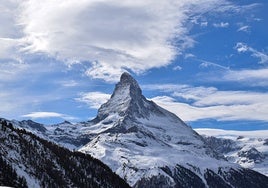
{"points": [[44, 164], [151, 147], [247, 148]]}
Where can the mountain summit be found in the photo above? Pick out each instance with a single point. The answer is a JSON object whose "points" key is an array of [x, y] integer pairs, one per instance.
{"points": [[126, 80], [127, 94], [149, 146], [127, 102], [127, 88]]}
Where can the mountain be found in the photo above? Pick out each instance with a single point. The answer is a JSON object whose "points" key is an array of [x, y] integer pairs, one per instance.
{"points": [[65, 134], [30, 161], [149, 146], [246, 148]]}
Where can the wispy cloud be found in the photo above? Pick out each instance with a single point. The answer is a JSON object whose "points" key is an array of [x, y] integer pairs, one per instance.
{"points": [[10, 32], [204, 24], [188, 55], [23, 88], [93, 99], [106, 33], [11, 70], [177, 68], [209, 102], [242, 47], [41, 115], [8, 48], [221, 25], [206, 64], [257, 77], [68, 83], [244, 28], [15, 102]]}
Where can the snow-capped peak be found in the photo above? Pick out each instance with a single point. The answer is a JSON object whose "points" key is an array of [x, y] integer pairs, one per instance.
{"points": [[129, 83], [149, 146], [127, 100], [131, 132]]}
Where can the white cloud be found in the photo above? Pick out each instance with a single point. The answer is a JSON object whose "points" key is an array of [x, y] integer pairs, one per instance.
{"points": [[68, 83], [220, 112], [8, 13], [39, 115], [8, 48], [206, 64], [189, 55], [164, 87], [15, 102], [113, 35], [242, 47], [10, 70], [177, 68], [182, 91], [221, 25], [232, 133], [93, 99], [209, 102], [257, 77], [204, 24], [21, 90], [10, 32], [231, 98], [244, 28], [249, 77]]}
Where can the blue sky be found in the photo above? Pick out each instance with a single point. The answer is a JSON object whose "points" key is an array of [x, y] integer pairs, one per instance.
{"points": [[206, 61]]}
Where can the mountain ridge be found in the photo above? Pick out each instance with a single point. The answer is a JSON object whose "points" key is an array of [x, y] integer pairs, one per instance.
{"points": [[44, 164], [134, 136], [147, 145]]}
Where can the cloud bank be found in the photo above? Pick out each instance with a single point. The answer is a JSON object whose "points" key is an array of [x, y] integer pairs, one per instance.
{"points": [[209, 102], [197, 103], [93, 99], [114, 36], [38, 115]]}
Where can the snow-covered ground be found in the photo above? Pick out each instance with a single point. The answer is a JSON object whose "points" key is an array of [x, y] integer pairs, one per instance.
{"points": [[251, 147], [140, 140]]}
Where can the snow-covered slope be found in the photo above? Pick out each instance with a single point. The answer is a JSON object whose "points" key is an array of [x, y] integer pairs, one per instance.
{"points": [[34, 162], [149, 146], [66, 134], [247, 148]]}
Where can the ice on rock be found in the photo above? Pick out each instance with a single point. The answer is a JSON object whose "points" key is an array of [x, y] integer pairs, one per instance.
{"points": [[138, 139]]}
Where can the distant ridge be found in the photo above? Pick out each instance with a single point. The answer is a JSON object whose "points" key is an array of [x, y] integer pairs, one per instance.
{"points": [[149, 146]]}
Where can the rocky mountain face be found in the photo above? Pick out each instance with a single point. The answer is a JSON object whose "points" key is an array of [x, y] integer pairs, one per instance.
{"points": [[247, 150], [29, 161], [149, 146]]}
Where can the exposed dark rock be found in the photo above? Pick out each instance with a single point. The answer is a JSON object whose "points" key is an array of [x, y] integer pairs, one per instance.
{"points": [[221, 145], [252, 155]]}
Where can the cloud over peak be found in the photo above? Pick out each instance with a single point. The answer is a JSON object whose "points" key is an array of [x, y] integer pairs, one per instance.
{"points": [[113, 36]]}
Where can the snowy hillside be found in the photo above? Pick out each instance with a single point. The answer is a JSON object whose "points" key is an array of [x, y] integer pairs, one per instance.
{"points": [[147, 145], [247, 148], [151, 147], [29, 161]]}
